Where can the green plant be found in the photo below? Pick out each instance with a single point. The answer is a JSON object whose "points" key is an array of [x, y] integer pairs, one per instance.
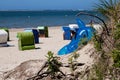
{"points": [[116, 57], [99, 72], [103, 68], [118, 25], [97, 42], [116, 51], [53, 64], [117, 33], [117, 36], [51, 68]]}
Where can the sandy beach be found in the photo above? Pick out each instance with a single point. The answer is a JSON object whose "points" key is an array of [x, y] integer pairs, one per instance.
{"points": [[11, 56]]}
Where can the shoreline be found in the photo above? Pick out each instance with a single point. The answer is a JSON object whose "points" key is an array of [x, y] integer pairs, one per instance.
{"points": [[22, 29]]}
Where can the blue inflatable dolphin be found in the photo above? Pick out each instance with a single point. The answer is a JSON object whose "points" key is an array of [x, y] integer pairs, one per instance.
{"points": [[81, 33]]}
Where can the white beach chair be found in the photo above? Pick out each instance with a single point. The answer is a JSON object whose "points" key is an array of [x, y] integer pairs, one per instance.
{"points": [[3, 38], [98, 28]]}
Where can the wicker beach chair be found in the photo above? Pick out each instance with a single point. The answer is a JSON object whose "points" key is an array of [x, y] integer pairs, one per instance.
{"points": [[26, 40], [66, 33], [43, 31], [7, 30], [3, 38], [35, 33]]}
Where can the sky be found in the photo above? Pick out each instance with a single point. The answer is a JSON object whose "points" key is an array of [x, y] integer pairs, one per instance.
{"points": [[47, 4]]}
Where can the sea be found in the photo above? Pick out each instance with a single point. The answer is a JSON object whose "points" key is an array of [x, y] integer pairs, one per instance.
{"points": [[33, 19]]}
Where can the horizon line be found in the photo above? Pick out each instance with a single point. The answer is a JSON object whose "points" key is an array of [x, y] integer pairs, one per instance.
{"points": [[50, 10]]}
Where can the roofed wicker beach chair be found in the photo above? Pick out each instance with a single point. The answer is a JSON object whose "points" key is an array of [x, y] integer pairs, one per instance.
{"points": [[66, 33], [35, 33], [3, 38], [43, 31], [26, 40], [7, 30]]}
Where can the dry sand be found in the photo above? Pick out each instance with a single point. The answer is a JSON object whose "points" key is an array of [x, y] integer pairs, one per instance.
{"points": [[11, 56]]}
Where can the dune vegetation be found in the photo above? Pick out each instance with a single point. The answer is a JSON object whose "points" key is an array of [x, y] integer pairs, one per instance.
{"points": [[108, 64]]}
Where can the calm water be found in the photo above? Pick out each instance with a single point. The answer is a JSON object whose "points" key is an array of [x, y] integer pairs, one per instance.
{"points": [[25, 19]]}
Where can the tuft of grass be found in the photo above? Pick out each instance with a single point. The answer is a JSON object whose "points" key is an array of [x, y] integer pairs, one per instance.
{"points": [[116, 51], [116, 57], [53, 63], [97, 43]]}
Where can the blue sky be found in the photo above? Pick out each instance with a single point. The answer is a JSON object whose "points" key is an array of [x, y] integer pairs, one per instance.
{"points": [[47, 4]]}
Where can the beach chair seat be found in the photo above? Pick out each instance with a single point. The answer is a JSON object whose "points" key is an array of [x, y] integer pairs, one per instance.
{"points": [[26, 40]]}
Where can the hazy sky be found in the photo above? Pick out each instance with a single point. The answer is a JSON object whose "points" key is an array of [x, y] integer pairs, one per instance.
{"points": [[46, 4]]}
